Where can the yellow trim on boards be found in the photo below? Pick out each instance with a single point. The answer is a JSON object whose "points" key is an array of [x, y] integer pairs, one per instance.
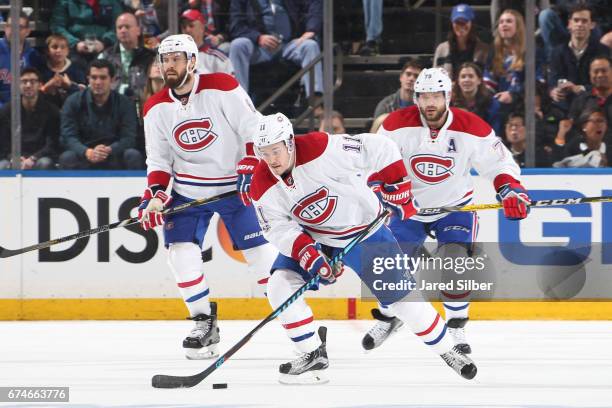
{"points": [[255, 309]]}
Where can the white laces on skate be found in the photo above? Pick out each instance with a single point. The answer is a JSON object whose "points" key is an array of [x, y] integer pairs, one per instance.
{"points": [[460, 363], [380, 330], [458, 334], [455, 359], [301, 361], [201, 328]]}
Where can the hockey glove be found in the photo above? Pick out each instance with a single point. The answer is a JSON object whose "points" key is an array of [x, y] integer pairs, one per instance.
{"points": [[515, 199], [314, 261], [151, 206], [397, 196], [245, 170]]}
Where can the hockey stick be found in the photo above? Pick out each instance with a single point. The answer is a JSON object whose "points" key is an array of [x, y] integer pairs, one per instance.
{"points": [[170, 381], [6, 253], [538, 203]]}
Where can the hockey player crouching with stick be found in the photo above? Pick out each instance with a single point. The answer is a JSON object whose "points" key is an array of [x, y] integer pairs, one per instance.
{"points": [[439, 146], [311, 197]]}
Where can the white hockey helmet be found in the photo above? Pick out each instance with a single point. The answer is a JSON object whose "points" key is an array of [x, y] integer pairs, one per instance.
{"points": [[272, 129], [179, 43], [434, 80]]}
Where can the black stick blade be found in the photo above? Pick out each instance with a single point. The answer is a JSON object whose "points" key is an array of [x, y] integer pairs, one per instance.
{"points": [[171, 381], [7, 253]]}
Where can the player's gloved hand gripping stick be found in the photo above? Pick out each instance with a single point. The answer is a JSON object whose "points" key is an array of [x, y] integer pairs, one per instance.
{"points": [[397, 196], [170, 381], [515, 199], [151, 209]]}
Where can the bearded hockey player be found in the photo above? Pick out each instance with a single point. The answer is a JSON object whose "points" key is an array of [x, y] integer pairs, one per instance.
{"points": [[196, 129], [440, 145]]}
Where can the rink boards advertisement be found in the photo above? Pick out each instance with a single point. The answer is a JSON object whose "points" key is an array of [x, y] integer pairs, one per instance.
{"points": [[123, 273]]}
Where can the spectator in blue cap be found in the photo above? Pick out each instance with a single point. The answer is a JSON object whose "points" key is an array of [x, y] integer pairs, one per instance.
{"points": [[462, 12], [463, 45]]}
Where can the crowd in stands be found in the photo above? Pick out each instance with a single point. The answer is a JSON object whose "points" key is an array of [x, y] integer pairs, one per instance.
{"points": [[573, 80], [82, 93]]}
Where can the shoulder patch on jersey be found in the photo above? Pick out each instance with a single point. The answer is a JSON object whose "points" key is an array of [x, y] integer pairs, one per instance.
{"points": [[162, 96], [263, 180], [219, 81], [405, 117], [310, 146], [468, 122]]}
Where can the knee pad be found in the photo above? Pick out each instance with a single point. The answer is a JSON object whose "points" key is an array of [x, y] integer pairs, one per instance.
{"points": [[459, 253], [260, 260], [185, 261], [455, 252], [475, 250], [281, 285]]}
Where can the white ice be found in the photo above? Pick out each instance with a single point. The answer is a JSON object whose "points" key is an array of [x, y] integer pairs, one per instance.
{"points": [[520, 364]]}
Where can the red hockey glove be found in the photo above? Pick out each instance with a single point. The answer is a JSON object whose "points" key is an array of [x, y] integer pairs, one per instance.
{"points": [[515, 199], [397, 196], [314, 261], [245, 169], [151, 206]]}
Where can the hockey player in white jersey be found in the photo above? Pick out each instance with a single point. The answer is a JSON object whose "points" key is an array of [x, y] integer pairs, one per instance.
{"points": [[196, 129], [311, 199], [439, 146]]}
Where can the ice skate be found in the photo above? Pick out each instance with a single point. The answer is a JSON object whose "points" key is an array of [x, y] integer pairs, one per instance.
{"points": [[384, 327], [308, 368], [459, 362], [456, 328], [202, 342]]}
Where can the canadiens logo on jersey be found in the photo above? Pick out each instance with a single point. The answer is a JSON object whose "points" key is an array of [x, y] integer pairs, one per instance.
{"points": [[432, 169], [316, 208], [194, 135]]}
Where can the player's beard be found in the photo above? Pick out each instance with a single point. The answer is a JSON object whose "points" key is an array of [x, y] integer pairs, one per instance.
{"points": [[174, 81], [434, 116]]}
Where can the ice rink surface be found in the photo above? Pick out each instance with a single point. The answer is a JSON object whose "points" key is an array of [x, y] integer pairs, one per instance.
{"points": [[520, 364]]}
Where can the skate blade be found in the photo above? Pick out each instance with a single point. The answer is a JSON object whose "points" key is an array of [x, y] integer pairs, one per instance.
{"points": [[464, 348], [203, 353], [314, 377], [368, 351]]}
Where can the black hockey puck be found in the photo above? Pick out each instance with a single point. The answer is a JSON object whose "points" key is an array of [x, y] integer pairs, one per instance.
{"points": [[219, 386]]}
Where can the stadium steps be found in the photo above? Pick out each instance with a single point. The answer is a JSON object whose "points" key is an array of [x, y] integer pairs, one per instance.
{"points": [[408, 33]]}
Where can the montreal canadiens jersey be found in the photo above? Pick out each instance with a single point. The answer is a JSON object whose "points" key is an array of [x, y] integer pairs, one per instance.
{"points": [[199, 144], [326, 195], [439, 162]]}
